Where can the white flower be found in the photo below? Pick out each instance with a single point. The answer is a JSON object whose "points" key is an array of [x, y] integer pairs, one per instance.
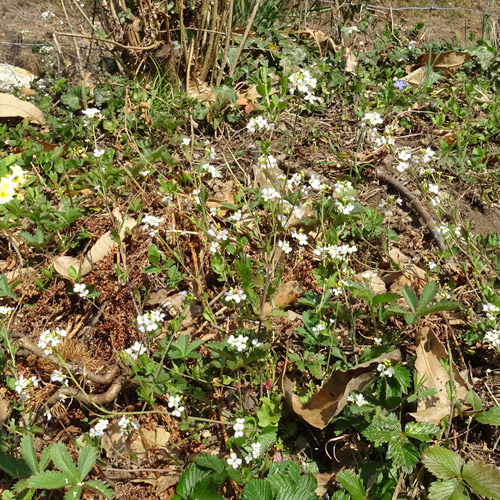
{"points": [[269, 194], [433, 188], [238, 427], [174, 403], [90, 113], [98, 152], [212, 170], [493, 337], [125, 422], [295, 181], [214, 247], [50, 339], [402, 166], [152, 224], [285, 246], [320, 327], [256, 343], [351, 29], [258, 123], [256, 450], [136, 350], [234, 461], [412, 45], [235, 295], [240, 342], [47, 15], [315, 182], [81, 289], [357, 399], [151, 321], [267, 161], [58, 376], [385, 369], [371, 119], [404, 153], [167, 199], [377, 340], [235, 217], [7, 190], [6, 310], [491, 311], [368, 275], [302, 81], [98, 430], [48, 415], [300, 237], [186, 141]]}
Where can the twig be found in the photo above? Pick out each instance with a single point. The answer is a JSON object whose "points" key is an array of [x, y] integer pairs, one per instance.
{"points": [[415, 203], [112, 42]]}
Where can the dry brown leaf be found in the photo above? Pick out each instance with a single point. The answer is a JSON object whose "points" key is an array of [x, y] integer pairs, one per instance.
{"points": [[416, 77], [430, 351], [11, 107], [351, 60], [398, 257], [286, 294], [448, 62], [200, 91], [22, 274], [5, 407], [374, 282], [410, 275], [332, 397], [62, 265]]}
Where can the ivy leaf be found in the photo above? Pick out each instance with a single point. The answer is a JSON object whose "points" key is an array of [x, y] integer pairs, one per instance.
{"points": [[483, 479], [48, 480], [491, 416], [423, 431], [352, 484], [443, 463], [447, 490], [257, 489], [383, 429]]}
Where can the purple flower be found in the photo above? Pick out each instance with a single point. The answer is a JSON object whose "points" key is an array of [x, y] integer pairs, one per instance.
{"points": [[400, 84]]}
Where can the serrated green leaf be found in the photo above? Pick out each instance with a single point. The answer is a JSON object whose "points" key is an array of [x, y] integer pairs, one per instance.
{"points": [[447, 490], [45, 457], [86, 461], [428, 293], [443, 305], [210, 462], [490, 417], [423, 431], [258, 489], [192, 474], [74, 493], [296, 492], [205, 489], [474, 399], [98, 487], [383, 428], [402, 375], [483, 479], [28, 453], [352, 484], [384, 298], [14, 467], [7, 495], [443, 463], [410, 297], [48, 480], [404, 455], [63, 461]]}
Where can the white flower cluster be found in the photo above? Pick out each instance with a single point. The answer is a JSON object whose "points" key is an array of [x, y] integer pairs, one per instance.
{"points": [[294, 181], [491, 311], [212, 170], [125, 422], [371, 119], [319, 328], [11, 183], [234, 461], [258, 123], [255, 453], [345, 195], [58, 376], [218, 235], [302, 81], [150, 321], [385, 369], [186, 141], [98, 430], [152, 224], [300, 237], [349, 30], [238, 427], [269, 194], [235, 216], [335, 252], [391, 199], [357, 399], [135, 350], [447, 231], [98, 152], [235, 295], [5, 310], [175, 403], [239, 342], [50, 339], [493, 338], [285, 246], [89, 114], [267, 161], [81, 289], [47, 15], [22, 384], [422, 159]]}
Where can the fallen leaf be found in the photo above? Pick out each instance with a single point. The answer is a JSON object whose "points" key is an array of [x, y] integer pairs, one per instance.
{"points": [[416, 77], [22, 274], [410, 275], [332, 397], [63, 264], [200, 91], [351, 61], [398, 257], [374, 282], [286, 294], [11, 107], [447, 62], [13, 76], [431, 372]]}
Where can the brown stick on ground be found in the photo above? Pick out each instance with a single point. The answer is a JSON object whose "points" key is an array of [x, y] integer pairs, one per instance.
{"points": [[415, 203]]}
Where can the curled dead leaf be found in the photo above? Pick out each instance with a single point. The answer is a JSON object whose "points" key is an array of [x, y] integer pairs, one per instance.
{"points": [[286, 294], [11, 107], [332, 397], [433, 375]]}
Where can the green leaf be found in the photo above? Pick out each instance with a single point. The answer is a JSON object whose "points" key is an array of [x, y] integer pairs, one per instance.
{"points": [[48, 480], [491, 416], [153, 254], [428, 293], [443, 305], [210, 462], [483, 479], [384, 298], [63, 461], [383, 429], [257, 489], [204, 489], [410, 297], [28, 453], [7, 495], [13, 466], [192, 474], [72, 98], [403, 453], [353, 484], [474, 399], [74, 493], [244, 269], [296, 492], [98, 487], [45, 457], [447, 490], [443, 463], [402, 375], [423, 431], [86, 460]]}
